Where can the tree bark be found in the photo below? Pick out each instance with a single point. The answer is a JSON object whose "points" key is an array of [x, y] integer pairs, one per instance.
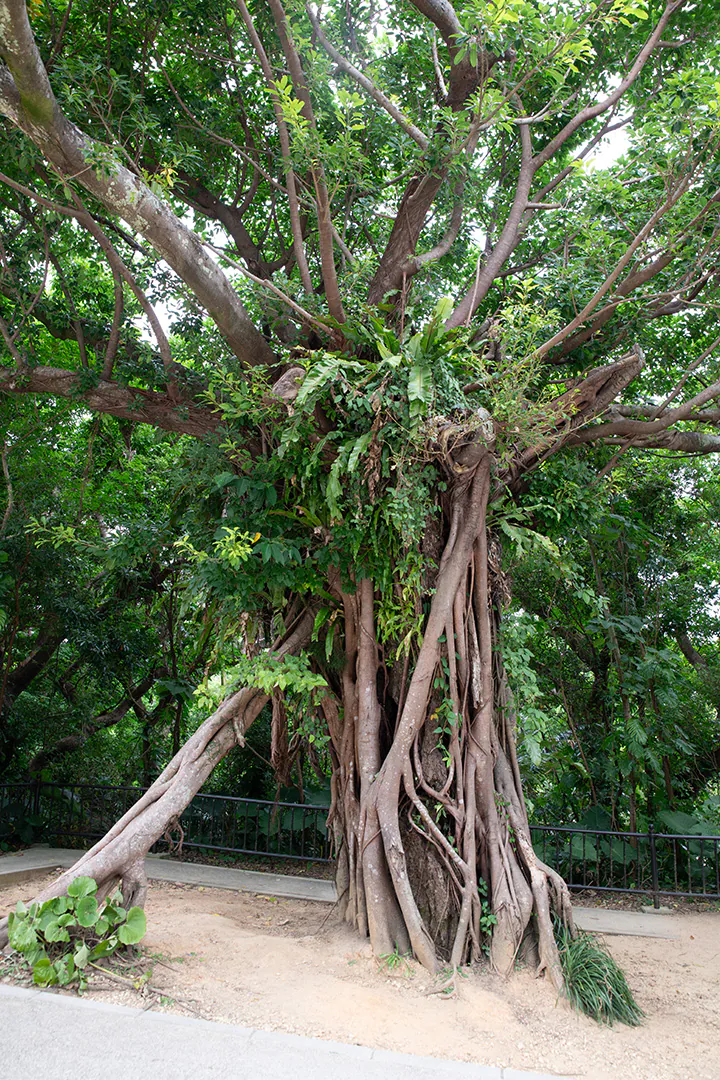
{"points": [[431, 823]]}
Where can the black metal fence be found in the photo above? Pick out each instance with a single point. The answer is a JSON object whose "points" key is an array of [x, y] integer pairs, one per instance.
{"points": [[68, 813], [651, 863]]}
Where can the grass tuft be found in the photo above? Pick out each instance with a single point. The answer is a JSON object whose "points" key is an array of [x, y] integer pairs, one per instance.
{"points": [[594, 983]]}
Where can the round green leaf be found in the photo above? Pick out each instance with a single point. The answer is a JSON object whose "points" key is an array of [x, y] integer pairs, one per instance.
{"points": [[133, 930], [65, 970], [102, 926], [46, 918], [44, 974], [82, 886], [22, 936], [86, 910], [54, 932], [105, 947]]}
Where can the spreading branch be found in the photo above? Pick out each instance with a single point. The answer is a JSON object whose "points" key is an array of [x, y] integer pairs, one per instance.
{"points": [[28, 101]]}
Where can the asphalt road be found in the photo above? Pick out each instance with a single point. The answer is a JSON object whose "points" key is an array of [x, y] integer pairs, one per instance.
{"points": [[45, 1036]]}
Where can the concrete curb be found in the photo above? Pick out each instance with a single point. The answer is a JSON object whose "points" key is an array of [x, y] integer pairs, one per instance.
{"points": [[39, 860], [205, 1048]]}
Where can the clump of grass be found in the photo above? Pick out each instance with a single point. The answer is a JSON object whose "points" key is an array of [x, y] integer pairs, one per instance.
{"points": [[594, 983]]}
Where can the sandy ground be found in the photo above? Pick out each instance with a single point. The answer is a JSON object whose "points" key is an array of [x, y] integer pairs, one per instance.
{"points": [[293, 966]]}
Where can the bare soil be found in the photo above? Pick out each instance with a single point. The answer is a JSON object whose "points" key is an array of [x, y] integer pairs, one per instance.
{"points": [[293, 966]]}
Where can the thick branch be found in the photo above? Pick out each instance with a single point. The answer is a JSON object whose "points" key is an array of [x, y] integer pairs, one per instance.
{"points": [[512, 229], [284, 136], [689, 651], [26, 98], [682, 442], [28, 669], [129, 403], [600, 107], [507, 241]]}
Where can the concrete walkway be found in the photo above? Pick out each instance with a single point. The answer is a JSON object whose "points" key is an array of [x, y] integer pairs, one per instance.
{"points": [[627, 923], [38, 861], [45, 1034]]}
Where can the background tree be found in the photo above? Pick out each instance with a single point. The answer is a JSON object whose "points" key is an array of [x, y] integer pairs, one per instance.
{"points": [[426, 296], [600, 644]]}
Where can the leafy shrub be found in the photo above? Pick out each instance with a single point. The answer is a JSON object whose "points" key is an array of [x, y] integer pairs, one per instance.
{"points": [[18, 826], [59, 938], [594, 983]]}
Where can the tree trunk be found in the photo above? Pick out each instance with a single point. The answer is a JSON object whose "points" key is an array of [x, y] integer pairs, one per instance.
{"points": [[427, 789]]}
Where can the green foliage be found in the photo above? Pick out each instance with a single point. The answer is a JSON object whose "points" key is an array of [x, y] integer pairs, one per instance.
{"points": [[594, 983], [61, 938], [594, 637], [488, 919], [18, 826], [290, 674], [396, 961]]}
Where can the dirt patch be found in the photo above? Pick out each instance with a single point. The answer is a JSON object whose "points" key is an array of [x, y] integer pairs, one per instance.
{"points": [[291, 965]]}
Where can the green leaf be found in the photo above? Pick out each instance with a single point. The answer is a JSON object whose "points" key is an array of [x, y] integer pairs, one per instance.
{"points": [[102, 926], [21, 935], [44, 974], [87, 911], [223, 479], [133, 930], [419, 388], [443, 308], [82, 955], [104, 947], [54, 932], [684, 824], [65, 970], [359, 448], [82, 886]]}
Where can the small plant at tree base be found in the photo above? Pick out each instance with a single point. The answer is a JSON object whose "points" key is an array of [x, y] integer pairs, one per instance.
{"points": [[394, 960], [487, 919], [61, 937], [594, 983]]}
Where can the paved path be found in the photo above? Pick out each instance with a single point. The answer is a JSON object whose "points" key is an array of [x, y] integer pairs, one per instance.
{"points": [[44, 1034], [627, 923], [37, 861]]}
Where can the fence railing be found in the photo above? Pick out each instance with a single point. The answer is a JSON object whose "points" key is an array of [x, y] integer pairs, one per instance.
{"points": [[67, 813], [647, 863], [631, 862]]}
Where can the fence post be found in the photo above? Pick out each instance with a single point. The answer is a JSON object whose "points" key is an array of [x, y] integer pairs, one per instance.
{"points": [[653, 866], [37, 784]]}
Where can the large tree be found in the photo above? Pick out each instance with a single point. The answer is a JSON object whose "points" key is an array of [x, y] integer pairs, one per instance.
{"points": [[397, 287]]}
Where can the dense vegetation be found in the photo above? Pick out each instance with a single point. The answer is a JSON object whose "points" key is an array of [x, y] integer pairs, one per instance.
{"points": [[343, 394]]}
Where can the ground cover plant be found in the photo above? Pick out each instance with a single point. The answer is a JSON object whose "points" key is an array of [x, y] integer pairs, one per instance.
{"points": [[397, 304], [62, 938], [594, 983]]}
